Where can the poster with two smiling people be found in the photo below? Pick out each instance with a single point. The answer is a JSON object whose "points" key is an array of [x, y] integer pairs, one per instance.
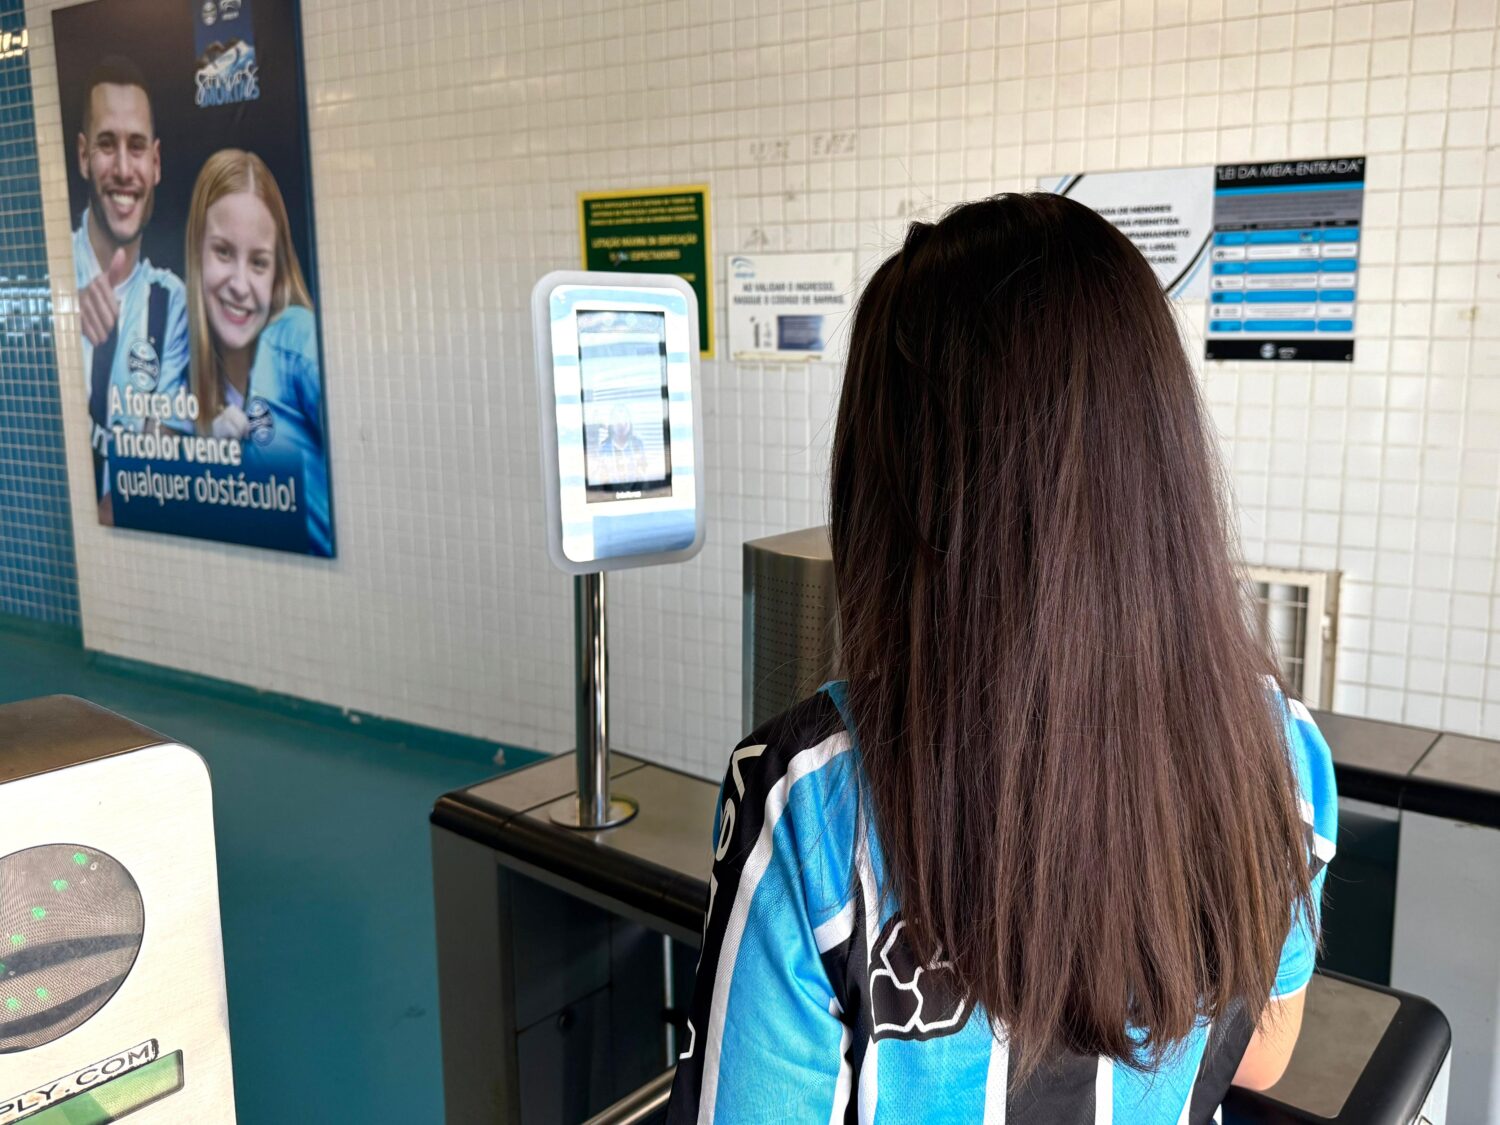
{"points": [[190, 196]]}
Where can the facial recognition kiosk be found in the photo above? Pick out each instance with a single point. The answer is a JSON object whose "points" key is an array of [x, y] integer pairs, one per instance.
{"points": [[112, 1001], [622, 457]]}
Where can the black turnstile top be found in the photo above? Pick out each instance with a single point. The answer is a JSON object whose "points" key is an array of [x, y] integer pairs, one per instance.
{"points": [[1426, 771], [1367, 1055], [1384, 763], [654, 867]]}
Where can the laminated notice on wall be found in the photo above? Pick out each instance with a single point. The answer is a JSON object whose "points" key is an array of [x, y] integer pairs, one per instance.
{"points": [[1285, 259], [652, 230], [1167, 213], [788, 307]]}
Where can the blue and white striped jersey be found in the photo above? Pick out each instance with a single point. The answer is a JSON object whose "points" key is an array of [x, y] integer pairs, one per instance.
{"points": [[167, 360], [138, 356], [285, 408], [809, 1006]]}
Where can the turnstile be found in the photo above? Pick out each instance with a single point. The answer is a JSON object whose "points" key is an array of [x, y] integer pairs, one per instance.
{"points": [[112, 995], [561, 953], [1414, 892]]}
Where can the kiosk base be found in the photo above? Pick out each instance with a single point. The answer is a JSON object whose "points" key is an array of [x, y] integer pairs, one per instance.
{"points": [[621, 809]]}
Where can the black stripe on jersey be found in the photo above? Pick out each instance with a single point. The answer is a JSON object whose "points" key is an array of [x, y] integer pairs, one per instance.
{"points": [[1059, 1093], [1315, 863], [848, 967], [742, 815], [842, 964], [1227, 1040]]}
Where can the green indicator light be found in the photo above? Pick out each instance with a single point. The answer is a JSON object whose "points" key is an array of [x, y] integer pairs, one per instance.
{"points": [[80, 859], [11, 1003], [39, 912], [42, 994], [2, 968], [18, 940], [59, 885]]}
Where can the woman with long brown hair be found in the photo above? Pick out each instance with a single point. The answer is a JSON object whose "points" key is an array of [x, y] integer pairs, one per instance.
{"points": [[1053, 850]]}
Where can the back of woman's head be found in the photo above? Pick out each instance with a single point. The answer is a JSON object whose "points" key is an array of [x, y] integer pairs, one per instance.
{"points": [[1077, 773]]}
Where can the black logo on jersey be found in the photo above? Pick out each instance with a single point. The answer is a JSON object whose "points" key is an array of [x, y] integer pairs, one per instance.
{"points": [[908, 1000]]}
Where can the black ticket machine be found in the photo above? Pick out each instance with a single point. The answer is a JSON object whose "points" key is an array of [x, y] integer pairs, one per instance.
{"points": [[112, 1001]]}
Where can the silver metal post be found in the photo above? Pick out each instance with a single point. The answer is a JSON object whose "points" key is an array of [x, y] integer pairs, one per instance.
{"points": [[594, 807], [591, 715]]}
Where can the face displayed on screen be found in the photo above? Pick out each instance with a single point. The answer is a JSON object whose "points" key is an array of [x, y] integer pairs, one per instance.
{"points": [[622, 360]]}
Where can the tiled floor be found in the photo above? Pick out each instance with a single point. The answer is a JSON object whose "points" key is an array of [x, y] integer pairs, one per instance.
{"points": [[326, 889]]}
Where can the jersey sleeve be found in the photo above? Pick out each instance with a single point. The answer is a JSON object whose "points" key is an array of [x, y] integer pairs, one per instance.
{"points": [[1318, 798], [309, 382], [293, 338], [765, 1041]]}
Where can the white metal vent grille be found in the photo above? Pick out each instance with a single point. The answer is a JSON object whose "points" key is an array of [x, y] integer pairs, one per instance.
{"points": [[1297, 613]]}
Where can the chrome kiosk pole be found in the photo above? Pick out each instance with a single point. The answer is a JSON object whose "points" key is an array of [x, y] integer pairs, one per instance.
{"points": [[594, 808]]}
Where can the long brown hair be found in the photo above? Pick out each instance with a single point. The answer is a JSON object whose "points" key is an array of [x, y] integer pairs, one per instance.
{"points": [[1074, 758], [226, 172]]}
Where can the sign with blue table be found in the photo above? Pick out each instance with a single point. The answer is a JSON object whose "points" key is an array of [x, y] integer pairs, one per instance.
{"points": [[1285, 259]]}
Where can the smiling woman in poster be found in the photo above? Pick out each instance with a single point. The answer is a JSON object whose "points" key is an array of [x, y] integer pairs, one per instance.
{"points": [[254, 340]]}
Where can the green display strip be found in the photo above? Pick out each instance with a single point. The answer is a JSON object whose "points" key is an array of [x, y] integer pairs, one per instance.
{"points": [[112, 1100]]}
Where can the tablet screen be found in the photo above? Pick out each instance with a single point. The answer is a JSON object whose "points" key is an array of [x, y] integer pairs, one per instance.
{"points": [[622, 362]]}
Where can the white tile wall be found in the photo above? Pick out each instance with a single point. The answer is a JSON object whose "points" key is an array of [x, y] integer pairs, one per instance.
{"points": [[449, 140]]}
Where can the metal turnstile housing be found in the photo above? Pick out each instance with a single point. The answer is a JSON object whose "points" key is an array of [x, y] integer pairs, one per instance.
{"points": [[790, 621]]}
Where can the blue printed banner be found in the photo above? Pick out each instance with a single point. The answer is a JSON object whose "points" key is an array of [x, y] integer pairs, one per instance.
{"points": [[1286, 244], [197, 288], [225, 41]]}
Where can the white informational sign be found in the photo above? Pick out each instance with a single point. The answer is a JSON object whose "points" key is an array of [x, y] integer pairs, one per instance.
{"points": [[788, 307], [1166, 212]]}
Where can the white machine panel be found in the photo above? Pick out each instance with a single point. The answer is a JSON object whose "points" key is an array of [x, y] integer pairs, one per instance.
{"points": [[112, 1000], [622, 444]]}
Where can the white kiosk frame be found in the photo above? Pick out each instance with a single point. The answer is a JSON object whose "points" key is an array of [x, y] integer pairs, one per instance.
{"points": [[622, 466], [595, 523]]}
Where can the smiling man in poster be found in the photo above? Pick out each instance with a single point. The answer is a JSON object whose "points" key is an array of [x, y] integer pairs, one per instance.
{"points": [[134, 316], [195, 267]]}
